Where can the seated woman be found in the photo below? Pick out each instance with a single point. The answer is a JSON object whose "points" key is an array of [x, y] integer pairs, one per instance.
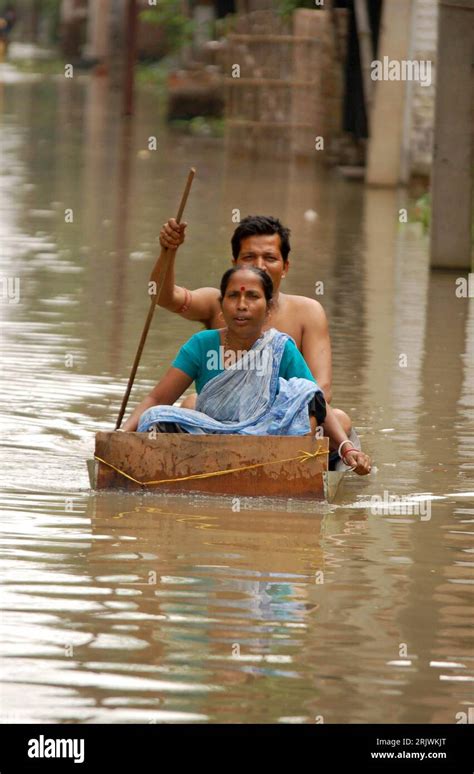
{"points": [[249, 381]]}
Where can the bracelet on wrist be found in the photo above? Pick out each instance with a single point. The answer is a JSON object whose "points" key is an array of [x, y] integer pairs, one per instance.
{"points": [[352, 449], [339, 451]]}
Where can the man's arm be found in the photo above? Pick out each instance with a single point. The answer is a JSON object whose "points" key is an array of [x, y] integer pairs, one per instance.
{"points": [[355, 458], [316, 347], [200, 304]]}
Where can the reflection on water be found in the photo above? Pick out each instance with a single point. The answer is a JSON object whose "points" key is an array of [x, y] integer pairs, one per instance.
{"points": [[156, 608]]}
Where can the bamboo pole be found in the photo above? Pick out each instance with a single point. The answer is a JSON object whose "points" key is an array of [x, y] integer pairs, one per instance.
{"points": [[158, 276]]}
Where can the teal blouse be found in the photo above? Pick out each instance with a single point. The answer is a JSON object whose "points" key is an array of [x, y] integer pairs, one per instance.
{"points": [[199, 359]]}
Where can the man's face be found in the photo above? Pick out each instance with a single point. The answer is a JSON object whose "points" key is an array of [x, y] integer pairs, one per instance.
{"points": [[263, 252]]}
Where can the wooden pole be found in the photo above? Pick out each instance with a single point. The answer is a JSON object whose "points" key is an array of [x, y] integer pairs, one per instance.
{"points": [[158, 276], [130, 55]]}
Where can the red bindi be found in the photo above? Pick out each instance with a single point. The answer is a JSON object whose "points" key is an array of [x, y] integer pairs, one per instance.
{"points": [[242, 287]]}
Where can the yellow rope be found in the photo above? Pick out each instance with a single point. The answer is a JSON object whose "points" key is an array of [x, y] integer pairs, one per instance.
{"points": [[304, 456]]}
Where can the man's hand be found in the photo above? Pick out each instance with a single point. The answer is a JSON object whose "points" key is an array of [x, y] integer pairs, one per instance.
{"points": [[172, 234], [359, 462]]}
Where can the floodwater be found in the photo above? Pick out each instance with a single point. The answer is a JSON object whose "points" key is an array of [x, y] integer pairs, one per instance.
{"points": [[154, 608]]}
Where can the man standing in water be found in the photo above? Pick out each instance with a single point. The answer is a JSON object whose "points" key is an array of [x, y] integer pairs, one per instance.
{"points": [[260, 241]]}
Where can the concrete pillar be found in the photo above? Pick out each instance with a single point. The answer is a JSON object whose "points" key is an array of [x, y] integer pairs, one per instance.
{"points": [[35, 21], [420, 102], [203, 17], [386, 122], [97, 46], [117, 42], [453, 140], [71, 17]]}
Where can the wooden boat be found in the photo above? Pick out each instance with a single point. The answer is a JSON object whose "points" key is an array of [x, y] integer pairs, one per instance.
{"points": [[236, 465]]}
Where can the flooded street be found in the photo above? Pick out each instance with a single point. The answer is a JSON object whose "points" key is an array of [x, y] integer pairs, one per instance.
{"points": [[160, 608]]}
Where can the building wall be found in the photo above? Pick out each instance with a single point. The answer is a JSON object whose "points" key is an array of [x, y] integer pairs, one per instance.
{"points": [[289, 90]]}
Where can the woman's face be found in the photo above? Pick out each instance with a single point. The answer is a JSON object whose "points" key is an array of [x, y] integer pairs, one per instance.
{"points": [[244, 306]]}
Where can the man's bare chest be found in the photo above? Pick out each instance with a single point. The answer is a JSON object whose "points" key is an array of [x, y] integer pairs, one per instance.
{"points": [[285, 324]]}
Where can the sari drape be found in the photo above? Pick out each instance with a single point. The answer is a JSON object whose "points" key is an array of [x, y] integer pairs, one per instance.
{"points": [[249, 398]]}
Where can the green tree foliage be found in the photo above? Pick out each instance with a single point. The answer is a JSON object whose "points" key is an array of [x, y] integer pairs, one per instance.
{"points": [[168, 14], [51, 9], [51, 6], [286, 7]]}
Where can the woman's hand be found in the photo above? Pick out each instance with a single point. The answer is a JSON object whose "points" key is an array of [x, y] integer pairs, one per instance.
{"points": [[172, 234], [130, 425], [358, 461]]}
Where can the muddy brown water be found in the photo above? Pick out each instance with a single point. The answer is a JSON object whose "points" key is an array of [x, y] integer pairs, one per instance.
{"points": [[150, 608]]}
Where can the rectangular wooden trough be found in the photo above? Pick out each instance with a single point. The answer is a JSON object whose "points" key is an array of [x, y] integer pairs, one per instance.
{"points": [[247, 466]]}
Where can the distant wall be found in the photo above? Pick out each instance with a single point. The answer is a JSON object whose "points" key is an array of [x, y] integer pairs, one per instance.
{"points": [[287, 94]]}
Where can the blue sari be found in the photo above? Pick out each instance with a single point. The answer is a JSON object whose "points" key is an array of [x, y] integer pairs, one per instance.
{"points": [[245, 399]]}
